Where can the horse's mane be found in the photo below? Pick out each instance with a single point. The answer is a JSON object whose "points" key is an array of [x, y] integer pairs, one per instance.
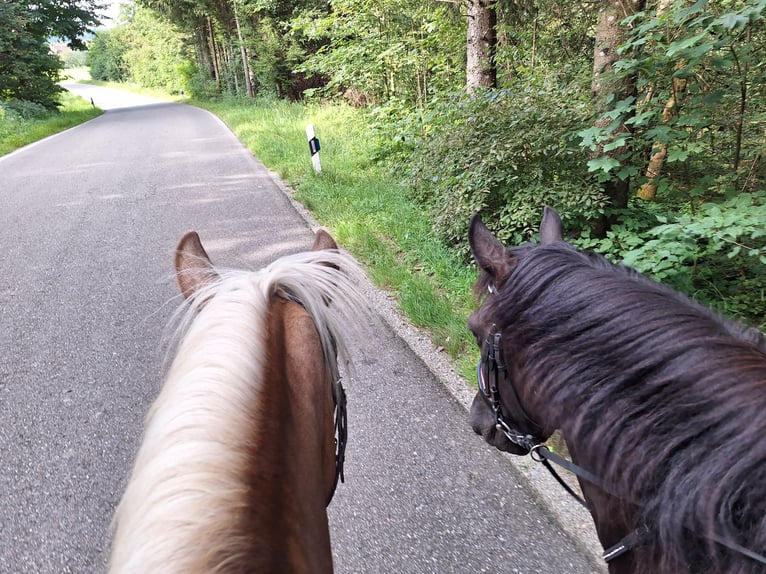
{"points": [[182, 518], [669, 399]]}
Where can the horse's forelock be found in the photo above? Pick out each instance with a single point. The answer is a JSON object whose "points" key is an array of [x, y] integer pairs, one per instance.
{"points": [[324, 283], [482, 284]]}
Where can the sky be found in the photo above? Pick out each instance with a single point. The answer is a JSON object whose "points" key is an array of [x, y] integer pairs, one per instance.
{"points": [[112, 12]]}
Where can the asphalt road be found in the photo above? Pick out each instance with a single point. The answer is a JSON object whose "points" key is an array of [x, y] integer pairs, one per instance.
{"points": [[88, 223]]}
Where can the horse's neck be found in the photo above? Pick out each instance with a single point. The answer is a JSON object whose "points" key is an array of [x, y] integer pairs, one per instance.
{"points": [[257, 454], [609, 516], [293, 451]]}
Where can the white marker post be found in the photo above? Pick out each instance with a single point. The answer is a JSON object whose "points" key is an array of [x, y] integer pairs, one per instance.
{"points": [[314, 147]]}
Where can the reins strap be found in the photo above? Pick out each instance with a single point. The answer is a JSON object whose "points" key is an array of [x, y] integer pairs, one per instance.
{"points": [[563, 483], [341, 427], [341, 436], [545, 456], [541, 453], [635, 538], [733, 546]]}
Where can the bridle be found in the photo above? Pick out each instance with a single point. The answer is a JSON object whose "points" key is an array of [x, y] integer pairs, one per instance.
{"points": [[340, 416], [340, 419], [492, 368]]}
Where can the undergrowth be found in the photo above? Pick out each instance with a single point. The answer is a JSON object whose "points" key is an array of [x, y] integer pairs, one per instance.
{"points": [[22, 123]]}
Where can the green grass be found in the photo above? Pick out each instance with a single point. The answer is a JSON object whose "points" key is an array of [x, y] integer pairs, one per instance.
{"points": [[132, 88], [365, 208], [16, 132]]}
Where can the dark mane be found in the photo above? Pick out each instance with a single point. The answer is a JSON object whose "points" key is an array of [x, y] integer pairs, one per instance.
{"points": [[668, 397]]}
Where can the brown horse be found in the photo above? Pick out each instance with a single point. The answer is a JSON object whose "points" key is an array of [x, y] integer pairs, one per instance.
{"points": [[238, 460], [661, 401]]}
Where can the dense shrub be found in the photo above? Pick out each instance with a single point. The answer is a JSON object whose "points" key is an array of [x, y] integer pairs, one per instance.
{"points": [[195, 82], [23, 109], [715, 252], [106, 56], [504, 154]]}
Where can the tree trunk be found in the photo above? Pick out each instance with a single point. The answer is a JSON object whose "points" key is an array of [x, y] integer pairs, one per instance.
{"points": [[243, 53], [606, 88], [648, 190], [481, 43], [214, 54]]}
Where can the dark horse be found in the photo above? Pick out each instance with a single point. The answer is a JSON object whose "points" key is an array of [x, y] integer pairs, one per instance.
{"points": [[662, 402], [239, 458]]}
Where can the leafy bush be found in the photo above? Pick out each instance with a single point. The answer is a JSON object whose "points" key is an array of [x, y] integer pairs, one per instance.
{"points": [[698, 69], [74, 59], [504, 154], [106, 56], [23, 109], [195, 82], [716, 253]]}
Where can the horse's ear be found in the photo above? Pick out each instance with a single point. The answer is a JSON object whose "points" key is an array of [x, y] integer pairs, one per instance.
{"points": [[490, 254], [551, 229], [194, 269], [323, 240]]}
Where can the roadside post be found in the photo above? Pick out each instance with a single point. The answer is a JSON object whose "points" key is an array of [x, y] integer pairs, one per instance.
{"points": [[314, 148]]}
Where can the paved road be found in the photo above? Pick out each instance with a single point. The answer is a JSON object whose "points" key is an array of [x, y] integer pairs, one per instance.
{"points": [[88, 223]]}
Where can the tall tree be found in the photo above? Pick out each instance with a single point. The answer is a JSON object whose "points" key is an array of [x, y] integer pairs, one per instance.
{"points": [[481, 44], [608, 87], [27, 69]]}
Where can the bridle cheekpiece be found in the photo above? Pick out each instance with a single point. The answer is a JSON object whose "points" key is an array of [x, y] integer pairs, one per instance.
{"points": [[490, 369]]}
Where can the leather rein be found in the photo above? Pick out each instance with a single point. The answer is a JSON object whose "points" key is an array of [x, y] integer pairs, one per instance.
{"points": [[491, 369]]}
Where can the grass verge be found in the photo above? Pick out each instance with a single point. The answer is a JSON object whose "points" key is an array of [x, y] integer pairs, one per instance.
{"points": [[366, 209], [16, 132], [134, 89]]}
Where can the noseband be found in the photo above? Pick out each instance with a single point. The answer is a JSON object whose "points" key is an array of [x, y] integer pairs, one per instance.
{"points": [[490, 370]]}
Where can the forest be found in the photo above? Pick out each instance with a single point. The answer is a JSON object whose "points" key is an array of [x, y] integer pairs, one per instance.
{"points": [[642, 121]]}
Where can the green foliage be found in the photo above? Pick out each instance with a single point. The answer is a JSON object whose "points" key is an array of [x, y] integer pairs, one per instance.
{"points": [[28, 71], [146, 50], [22, 123], [545, 39], [716, 252], [707, 60], [196, 82], [273, 56], [504, 154], [74, 59], [382, 50], [106, 56], [23, 110], [155, 51]]}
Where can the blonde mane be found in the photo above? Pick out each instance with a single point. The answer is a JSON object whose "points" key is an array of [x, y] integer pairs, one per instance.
{"points": [[182, 508]]}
